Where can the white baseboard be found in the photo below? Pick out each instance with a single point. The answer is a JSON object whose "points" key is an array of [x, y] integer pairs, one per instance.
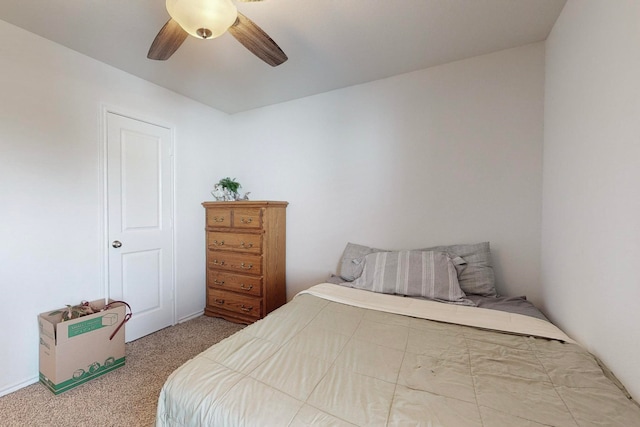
{"points": [[191, 316], [18, 386]]}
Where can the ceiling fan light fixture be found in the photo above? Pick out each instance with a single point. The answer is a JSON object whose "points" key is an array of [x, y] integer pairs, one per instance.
{"points": [[204, 19]]}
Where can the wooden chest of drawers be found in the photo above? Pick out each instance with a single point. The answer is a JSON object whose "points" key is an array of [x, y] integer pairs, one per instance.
{"points": [[245, 259]]}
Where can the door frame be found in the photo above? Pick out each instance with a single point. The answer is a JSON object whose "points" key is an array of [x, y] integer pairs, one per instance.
{"points": [[105, 110]]}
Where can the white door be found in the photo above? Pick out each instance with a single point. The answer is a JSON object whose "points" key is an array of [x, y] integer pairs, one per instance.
{"points": [[139, 210]]}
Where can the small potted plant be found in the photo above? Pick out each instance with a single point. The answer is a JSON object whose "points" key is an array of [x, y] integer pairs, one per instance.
{"points": [[227, 190]]}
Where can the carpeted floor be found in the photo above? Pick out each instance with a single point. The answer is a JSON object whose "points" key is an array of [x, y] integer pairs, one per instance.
{"points": [[125, 397]]}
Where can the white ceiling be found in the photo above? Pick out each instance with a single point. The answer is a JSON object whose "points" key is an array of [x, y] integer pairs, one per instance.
{"points": [[330, 43]]}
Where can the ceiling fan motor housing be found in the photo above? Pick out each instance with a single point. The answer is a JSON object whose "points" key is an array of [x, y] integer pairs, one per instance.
{"points": [[203, 19]]}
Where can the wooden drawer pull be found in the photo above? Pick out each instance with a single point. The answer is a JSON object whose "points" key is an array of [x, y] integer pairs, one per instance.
{"points": [[216, 262], [246, 221], [244, 245], [247, 309], [245, 287], [218, 282], [218, 219], [246, 267], [220, 243], [219, 301]]}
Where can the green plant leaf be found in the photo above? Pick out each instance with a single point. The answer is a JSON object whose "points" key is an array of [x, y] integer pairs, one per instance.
{"points": [[230, 184]]}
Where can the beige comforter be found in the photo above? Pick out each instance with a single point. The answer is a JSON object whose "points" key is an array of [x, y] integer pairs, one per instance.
{"points": [[339, 356]]}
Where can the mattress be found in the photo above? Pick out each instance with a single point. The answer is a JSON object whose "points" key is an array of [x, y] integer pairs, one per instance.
{"points": [[340, 356]]}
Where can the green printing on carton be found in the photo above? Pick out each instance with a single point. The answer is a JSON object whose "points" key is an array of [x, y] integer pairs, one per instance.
{"points": [[93, 369], [92, 324], [82, 375]]}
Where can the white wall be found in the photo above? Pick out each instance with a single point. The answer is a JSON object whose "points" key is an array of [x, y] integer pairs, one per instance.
{"points": [[451, 154], [50, 185], [591, 215]]}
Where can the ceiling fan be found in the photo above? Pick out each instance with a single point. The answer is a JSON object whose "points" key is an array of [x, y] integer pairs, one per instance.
{"points": [[206, 19]]}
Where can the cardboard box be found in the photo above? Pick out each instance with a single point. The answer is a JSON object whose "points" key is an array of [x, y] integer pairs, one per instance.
{"points": [[75, 351]]}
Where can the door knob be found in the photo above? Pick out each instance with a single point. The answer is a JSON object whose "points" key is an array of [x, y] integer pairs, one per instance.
{"points": [[116, 244]]}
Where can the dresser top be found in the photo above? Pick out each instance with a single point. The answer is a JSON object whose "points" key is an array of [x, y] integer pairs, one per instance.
{"points": [[245, 203]]}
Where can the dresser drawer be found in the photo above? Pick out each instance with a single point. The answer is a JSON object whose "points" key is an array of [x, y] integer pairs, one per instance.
{"points": [[223, 241], [234, 261], [218, 217], [249, 285], [249, 218], [241, 304]]}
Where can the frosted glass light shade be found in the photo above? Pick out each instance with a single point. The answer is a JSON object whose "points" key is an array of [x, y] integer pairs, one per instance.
{"points": [[193, 15]]}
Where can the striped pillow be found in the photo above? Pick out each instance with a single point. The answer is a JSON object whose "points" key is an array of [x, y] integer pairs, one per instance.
{"points": [[428, 274]]}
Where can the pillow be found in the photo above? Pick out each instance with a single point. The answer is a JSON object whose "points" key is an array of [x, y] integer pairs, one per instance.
{"points": [[476, 277], [352, 261], [426, 274]]}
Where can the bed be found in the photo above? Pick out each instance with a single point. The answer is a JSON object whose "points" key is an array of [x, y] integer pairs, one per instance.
{"points": [[348, 354]]}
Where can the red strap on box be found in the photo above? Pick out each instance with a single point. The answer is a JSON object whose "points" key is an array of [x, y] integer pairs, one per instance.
{"points": [[126, 316]]}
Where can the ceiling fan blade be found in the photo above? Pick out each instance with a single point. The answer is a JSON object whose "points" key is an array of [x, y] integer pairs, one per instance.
{"points": [[167, 41], [257, 41]]}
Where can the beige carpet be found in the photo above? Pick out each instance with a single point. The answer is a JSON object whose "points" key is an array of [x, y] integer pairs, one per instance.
{"points": [[125, 397]]}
